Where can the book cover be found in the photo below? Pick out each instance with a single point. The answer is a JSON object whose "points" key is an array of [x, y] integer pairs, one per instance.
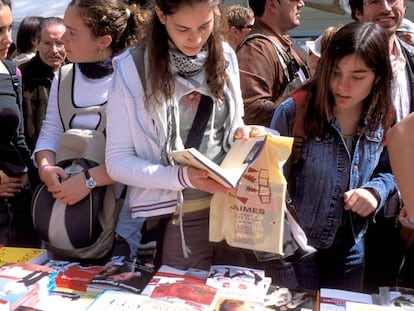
{"points": [[118, 300], [74, 275], [195, 295], [281, 298], [22, 254], [336, 299], [121, 301], [224, 302], [185, 288], [20, 282], [170, 275], [120, 274], [240, 156], [66, 299], [240, 280]]}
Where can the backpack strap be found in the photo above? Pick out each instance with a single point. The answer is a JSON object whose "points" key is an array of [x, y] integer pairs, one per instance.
{"points": [[16, 80], [298, 129], [137, 53], [67, 108], [288, 62]]}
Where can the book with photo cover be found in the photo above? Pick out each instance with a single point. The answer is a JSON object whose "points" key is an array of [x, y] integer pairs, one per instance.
{"points": [[121, 274], [74, 275], [181, 288], [240, 156], [170, 275], [242, 280], [280, 298]]}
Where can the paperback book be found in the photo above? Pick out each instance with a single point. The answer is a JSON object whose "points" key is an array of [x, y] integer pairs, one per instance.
{"points": [[21, 282], [74, 275], [240, 156], [121, 274], [181, 288], [22, 254]]}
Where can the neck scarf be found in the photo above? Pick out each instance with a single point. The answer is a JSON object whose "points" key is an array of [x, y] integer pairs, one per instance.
{"points": [[184, 65], [97, 70]]}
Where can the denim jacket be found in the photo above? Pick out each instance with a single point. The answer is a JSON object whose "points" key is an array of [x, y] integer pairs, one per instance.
{"points": [[327, 170]]}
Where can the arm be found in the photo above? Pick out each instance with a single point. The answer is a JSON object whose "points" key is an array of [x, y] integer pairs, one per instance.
{"points": [[69, 190], [400, 141], [375, 195], [260, 80]]}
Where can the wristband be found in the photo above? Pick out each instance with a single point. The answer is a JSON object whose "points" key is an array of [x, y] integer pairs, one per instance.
{"points": [[42, 167]]}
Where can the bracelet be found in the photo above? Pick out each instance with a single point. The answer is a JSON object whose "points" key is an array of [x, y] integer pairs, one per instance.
{"points": [[42, 167], [410, 222]]}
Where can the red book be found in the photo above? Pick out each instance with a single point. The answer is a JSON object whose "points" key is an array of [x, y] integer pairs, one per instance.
{"points": [[73, 275]]}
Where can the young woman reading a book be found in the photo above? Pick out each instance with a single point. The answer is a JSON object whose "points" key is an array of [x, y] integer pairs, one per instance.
{"points": [[191, 98]]}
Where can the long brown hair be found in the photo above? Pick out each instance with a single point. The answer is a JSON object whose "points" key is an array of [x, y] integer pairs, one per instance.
{"points": [[369, 42], [161, 81]]}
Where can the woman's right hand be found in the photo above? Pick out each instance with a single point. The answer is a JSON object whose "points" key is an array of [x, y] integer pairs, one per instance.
{"points": [[9, 186], [52, 175], [201, 181]]}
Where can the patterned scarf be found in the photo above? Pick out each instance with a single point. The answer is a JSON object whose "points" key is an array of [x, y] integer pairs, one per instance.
{"points": [[184, 65], [97, 70]]}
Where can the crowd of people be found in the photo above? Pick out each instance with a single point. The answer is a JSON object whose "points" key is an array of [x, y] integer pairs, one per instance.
{"points": [[205, 75]]}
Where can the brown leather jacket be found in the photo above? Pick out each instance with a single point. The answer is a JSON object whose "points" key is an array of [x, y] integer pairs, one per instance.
{"points": [[262, 78]]}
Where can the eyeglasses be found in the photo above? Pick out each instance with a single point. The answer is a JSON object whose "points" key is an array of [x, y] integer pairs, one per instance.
{"points": [[378, 3]]}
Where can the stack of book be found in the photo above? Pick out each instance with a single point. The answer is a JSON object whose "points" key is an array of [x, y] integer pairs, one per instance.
{"points": [[22, 254], [24, 283]]}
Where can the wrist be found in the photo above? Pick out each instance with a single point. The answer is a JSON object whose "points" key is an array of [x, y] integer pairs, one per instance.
{"points": [[42, 167], [409, 221]]}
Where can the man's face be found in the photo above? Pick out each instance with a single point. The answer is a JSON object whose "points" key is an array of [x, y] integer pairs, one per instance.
{"points": [[50, 46], [289, 13], [386, 13]]}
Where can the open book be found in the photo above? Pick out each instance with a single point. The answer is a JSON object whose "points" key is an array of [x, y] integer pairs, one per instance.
{"points": [[237, 160]]}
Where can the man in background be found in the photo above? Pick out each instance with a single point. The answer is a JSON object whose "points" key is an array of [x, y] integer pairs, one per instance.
{"points": [[240, 21], [271, 65], [38, 73]]}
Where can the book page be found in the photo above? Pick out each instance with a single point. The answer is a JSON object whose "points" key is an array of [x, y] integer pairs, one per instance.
{"points": [[240, 156]]}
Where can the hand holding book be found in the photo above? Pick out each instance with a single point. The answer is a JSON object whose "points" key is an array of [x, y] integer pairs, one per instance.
{"points": [[240, 156]]}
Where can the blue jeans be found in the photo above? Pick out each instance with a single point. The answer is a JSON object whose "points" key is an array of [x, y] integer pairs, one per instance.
{"points": [[130, 228], [336, 267]]}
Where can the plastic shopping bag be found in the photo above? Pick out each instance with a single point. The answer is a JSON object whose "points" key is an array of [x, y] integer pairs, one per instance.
{"points": [[252, 216]]}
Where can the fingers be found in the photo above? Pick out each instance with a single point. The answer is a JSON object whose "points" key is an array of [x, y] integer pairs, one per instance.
{"points": [[360, 201], [244, 132], [200, 180]]}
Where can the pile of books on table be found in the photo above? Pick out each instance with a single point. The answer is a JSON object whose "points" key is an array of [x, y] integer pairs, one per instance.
{"points": [[132, 285]]}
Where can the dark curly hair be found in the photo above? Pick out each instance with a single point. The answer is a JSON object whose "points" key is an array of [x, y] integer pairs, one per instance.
{"points": [[112, 17]]}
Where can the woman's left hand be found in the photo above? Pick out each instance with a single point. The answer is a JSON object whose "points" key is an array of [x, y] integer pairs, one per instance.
{"points": [[70, 191], [360, 201]]}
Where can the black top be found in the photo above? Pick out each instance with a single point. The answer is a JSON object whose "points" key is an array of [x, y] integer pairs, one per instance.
{"points": [[14, 154]]}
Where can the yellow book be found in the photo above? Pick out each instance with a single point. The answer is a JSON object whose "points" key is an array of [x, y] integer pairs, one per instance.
{"points": [[21, 254]]}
